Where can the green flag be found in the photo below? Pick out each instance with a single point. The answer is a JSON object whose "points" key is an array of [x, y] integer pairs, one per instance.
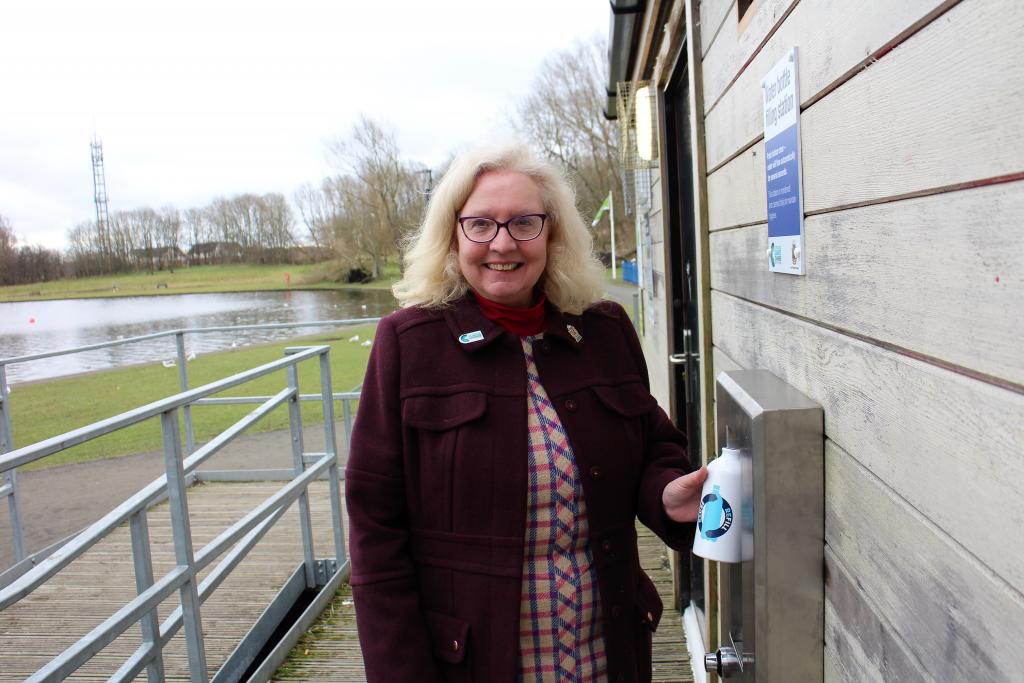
{"points": [[601, 211]]}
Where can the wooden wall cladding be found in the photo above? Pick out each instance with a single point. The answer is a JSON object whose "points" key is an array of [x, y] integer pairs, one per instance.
{"points": [[948, 445], [833, 37], [907, 326], [715, 15], [860, 645], [936, 275], [960, 621], [924, 118], [732, 47], [941, 109]]}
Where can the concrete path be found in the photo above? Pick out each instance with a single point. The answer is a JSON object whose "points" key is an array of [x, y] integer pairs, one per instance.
{"points": [[621, 292]]}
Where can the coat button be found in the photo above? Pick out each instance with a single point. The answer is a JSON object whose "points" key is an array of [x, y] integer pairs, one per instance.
{"points": [[570, 405], [545, 347], [454, 645], [621, 678], [616, 611], [606, 545], [595, 472]]}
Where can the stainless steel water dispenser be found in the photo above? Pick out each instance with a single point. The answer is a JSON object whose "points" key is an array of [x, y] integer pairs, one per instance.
{"points": [[773, 602]]}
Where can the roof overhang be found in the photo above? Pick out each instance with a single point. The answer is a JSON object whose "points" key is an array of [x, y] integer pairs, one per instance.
{"points": [[625, 20]]}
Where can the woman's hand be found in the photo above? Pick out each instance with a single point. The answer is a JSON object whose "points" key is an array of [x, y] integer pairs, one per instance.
{"points": [[681, 496]]}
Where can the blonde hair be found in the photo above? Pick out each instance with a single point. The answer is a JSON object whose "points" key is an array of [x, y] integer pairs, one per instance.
{"points": [[573, 278]]}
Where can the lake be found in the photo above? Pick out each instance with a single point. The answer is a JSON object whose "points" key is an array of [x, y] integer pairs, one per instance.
{"points": [[39, 326]]}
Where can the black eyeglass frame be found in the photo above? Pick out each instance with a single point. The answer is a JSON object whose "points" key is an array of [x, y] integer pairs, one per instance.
{"points": [[543, 221]]}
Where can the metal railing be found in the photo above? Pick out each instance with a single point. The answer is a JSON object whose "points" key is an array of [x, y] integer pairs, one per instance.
{"points": [[9, 480], [243, 534]]}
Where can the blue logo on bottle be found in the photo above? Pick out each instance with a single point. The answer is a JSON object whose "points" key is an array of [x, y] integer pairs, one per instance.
{"points": [[714, 516]]}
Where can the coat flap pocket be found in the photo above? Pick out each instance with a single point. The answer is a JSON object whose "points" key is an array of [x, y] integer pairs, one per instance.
{"points": [[648, 602], [447, 635], [630, 400], [438, 413]]}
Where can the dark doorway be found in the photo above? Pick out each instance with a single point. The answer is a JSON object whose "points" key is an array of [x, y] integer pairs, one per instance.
{"points": [[684, 292]]}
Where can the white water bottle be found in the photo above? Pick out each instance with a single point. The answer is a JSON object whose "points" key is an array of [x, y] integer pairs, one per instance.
{"points": [[719, 532]]}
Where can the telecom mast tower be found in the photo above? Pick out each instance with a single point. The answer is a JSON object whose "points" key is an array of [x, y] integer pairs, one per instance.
{"points": [[99, 186]]}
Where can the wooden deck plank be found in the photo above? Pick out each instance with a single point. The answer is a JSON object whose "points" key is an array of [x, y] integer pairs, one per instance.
{"points": [[93, 587]]}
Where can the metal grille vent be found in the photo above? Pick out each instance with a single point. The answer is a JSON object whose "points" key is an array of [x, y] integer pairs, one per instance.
{"points": [[638, 125], [638, 148]]}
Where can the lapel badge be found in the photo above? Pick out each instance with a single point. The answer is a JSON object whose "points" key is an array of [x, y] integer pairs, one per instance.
{"points": [[574, 333], [470, 337]]}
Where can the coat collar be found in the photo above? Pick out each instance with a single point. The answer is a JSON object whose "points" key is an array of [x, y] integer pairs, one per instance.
{"points": [[473, 331]]}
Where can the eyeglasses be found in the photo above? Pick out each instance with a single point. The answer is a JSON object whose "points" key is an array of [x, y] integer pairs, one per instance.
{"points": [[520, 228]]}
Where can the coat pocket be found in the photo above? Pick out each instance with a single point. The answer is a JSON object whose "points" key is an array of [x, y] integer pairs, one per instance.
{"points": [[628, 407], [648, 611], [648, 602], [448, 635], [440, 413], [438, 428], [628, 400]]}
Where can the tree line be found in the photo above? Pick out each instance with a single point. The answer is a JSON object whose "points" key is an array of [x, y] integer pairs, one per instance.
{"points": [[361, 213], [244, 228]]}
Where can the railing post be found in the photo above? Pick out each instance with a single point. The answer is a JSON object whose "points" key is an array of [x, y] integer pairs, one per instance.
{"points": [[183, 555], [306, 526], [190, 436], [150, 622], [7, 445], [331, 448], [346, 416]]}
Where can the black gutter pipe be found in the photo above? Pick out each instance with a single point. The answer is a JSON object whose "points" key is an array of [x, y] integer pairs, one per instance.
{"points": [[621, 37]]}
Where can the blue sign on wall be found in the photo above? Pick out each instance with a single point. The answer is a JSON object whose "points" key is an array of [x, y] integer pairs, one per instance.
{"points": [[782, 167]]}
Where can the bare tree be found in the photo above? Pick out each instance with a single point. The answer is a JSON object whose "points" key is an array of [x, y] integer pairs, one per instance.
{"points": [[387, 200], [169, 237], [563, 116], [318, 213], [8, 252]]}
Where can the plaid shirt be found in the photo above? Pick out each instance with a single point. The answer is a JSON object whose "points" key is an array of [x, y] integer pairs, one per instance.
{"points": [[560, 639]]}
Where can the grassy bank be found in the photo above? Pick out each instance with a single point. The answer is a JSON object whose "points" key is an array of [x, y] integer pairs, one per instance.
{"points": [[45, 409], [195, 280]]}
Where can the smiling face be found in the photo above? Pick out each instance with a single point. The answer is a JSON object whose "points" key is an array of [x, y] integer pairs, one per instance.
{"points": [[503, 270]]}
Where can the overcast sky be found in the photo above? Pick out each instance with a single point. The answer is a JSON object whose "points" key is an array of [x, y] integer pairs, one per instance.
{"points": [[198, 99]]}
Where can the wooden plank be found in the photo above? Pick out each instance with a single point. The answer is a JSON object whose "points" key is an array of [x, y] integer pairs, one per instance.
{"points": [[834, 37], [942, 441], [713, 16], [961, 622], [860, 647], [702, 259], [670, 52], [722, 362], [869, 273], [93, 587], [926, 115], [929, 98], [650, 35], [734, 47], [736, 192]]}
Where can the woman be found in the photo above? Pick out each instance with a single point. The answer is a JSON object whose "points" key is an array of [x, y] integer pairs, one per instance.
{"points": [[505, 442]]}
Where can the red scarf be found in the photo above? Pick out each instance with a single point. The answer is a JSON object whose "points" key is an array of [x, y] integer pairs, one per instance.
{"points": [[520, 321]]}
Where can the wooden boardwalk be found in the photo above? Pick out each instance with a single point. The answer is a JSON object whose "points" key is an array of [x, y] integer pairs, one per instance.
{"points": [[330, 649], [97, 584]]}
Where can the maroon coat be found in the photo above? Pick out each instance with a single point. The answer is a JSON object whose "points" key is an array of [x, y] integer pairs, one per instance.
{"points": [[436, 488]]}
